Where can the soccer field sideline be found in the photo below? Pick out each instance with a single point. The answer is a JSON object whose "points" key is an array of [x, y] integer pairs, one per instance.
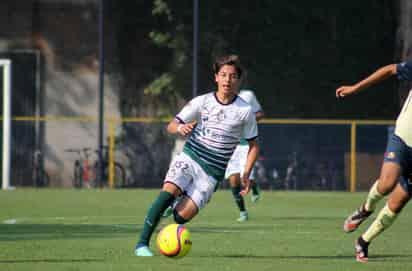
{"points": [[96, 230]]}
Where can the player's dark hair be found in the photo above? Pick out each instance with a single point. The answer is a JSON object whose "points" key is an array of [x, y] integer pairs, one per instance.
{"points": [[232, 60]]}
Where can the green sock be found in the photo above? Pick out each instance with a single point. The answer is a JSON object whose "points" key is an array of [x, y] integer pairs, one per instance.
{"points": [[153, 216], [238, 198], [255, 189]]}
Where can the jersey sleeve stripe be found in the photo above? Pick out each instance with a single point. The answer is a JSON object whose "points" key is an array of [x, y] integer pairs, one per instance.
{"points": [[179, 119], [252, 138]]}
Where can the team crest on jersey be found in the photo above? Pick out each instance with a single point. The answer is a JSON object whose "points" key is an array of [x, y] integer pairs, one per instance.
{"points": [[221, 115], [390, 155], [217, 114], [410, 179]]}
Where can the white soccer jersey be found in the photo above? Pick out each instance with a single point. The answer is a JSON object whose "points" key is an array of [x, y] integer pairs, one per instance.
{"points": [[404, 122], [251, 99], [218, 131]]}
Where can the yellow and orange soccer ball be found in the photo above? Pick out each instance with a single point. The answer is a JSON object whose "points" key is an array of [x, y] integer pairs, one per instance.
{"points": [[174, 241]]}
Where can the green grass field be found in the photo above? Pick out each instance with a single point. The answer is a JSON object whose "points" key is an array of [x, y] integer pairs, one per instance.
{"points": [[97, 230]]}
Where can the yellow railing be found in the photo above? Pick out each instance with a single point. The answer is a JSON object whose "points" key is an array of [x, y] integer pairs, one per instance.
{"points": [[352, 123], [112, 122]]}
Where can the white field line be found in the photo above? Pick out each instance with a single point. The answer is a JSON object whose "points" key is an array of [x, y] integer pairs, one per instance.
{"points": [[10, 221]]}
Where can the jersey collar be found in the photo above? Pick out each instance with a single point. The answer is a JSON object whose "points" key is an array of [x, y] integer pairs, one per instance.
{"points": [[232, 101]]}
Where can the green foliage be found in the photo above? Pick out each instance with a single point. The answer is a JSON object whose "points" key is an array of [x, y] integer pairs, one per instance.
{"points": [[160, 7], [297, 53], [160, 85], [160, 39]]}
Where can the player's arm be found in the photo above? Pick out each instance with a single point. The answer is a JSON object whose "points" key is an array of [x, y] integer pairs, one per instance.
{"points": [[186, 119], [183, 129], [259, 115], [250, 162], [379, 75], [256, 107]]}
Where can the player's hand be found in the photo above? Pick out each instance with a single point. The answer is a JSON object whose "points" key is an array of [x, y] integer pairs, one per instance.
{"points": [[185, 129], [247, 185], [345, 91]]}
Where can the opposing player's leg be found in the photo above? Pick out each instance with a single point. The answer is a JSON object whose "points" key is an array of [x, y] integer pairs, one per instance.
{"points": [[235, 184], [390, 173], [361, 250], [396, 155], [397, 200], [388, 178], [164, 199]]}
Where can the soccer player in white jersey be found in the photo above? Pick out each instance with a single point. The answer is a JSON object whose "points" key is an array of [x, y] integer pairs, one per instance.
{"points": [[237, 162], [222, 119], [396, 173]]}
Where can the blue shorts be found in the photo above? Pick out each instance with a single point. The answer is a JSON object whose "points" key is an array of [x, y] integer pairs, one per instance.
{"points": [[398, 152]]}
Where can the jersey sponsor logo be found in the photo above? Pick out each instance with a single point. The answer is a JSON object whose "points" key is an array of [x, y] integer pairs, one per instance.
{"points": [[207, 132]]}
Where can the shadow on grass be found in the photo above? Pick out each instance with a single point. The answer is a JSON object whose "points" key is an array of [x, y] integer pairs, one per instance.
{"points": [[308, 218], [20, 232], [376, 258], [86, 260], [17, 232]]}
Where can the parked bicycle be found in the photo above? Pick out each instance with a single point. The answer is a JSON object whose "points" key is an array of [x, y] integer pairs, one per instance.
{"points": [[85, 169], [30, 170], [119, 178], [84, 173]]}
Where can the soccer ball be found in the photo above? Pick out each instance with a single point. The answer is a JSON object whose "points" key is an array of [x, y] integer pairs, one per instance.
{"points": [[174, 241]]}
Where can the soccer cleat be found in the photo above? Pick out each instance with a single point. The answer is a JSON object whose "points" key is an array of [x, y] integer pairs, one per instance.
{"points": [[255, 198], [243, 217], [361, 249], [255, 193], [143, 251], [168, 212], [355, 219]]}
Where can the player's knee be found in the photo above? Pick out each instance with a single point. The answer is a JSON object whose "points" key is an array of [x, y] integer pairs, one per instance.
{"points": [[234, 180], [386, 184], [172, 189], [178, 218]]}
